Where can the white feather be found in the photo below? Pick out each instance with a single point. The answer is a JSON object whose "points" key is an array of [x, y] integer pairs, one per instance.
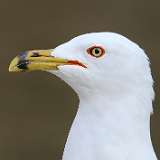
{"points": [[115, 93]]}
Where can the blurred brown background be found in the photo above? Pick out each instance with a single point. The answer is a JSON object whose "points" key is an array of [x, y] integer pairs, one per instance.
{"points": [[37, 109]]}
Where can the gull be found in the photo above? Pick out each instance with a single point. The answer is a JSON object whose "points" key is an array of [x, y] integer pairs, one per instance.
{"points": [[112, 78]]}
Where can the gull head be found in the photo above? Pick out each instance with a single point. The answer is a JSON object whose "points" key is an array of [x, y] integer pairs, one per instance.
{"points": [[104, 62], [112, 77]]}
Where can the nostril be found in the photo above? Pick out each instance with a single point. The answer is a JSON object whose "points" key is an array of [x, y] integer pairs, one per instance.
{"points": [[35, 54]]}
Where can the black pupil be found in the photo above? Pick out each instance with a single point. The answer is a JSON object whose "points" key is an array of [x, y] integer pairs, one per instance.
{"points": [[96, 50]]}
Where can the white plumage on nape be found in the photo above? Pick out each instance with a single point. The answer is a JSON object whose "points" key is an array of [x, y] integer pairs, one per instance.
{"points": [[112, 78]]}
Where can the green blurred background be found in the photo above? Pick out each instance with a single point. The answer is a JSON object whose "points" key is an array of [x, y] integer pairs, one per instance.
{"points": [[37, 109]]}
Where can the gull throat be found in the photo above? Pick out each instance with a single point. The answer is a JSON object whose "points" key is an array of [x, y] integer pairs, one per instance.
{"points": [[103, 129]]}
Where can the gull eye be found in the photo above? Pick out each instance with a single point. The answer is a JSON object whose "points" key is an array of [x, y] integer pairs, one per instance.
{"points": [[96, 51]]}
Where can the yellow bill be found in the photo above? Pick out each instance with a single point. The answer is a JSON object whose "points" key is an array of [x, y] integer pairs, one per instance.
{"points": [[39, 60]]}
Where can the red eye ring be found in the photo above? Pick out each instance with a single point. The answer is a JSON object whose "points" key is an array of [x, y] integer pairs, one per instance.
{"points": [[96, 51]]}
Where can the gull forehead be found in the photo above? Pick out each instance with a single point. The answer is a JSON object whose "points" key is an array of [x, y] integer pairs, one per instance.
{"points": [[103, 37], [112, 42]]}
